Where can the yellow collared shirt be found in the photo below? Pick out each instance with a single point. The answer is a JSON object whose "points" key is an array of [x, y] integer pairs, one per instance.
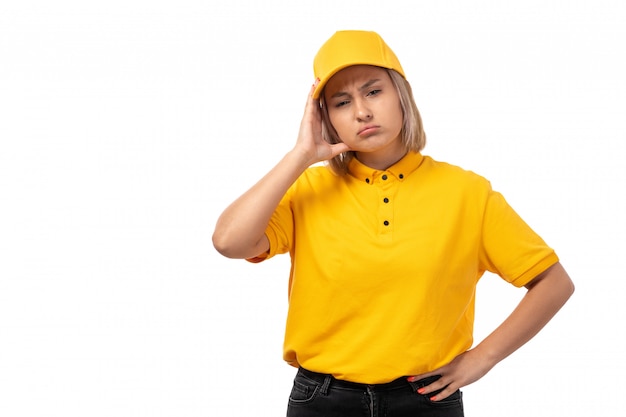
{"points": [[385, 265]]}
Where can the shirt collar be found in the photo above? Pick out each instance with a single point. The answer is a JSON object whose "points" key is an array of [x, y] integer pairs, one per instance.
{"points": [[401, 169]]}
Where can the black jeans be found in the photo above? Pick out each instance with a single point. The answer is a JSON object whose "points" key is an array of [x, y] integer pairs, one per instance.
{"points": [[320, 395]]}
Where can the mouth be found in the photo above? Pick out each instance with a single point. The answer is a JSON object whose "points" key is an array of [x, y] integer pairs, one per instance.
{"points": [[368, 130]]}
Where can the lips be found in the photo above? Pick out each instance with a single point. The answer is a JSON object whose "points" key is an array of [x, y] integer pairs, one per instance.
{"points": [[368, 130]]}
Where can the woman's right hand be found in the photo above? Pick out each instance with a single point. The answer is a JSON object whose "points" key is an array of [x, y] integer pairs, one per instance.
{"points": [[310, 142], [240, 230]]}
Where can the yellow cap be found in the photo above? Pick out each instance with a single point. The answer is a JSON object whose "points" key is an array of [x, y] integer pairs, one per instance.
{"points": [[352, 47]]}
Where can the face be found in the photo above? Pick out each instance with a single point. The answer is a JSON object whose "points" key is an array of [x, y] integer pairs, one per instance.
{"points": [[364, 108]]}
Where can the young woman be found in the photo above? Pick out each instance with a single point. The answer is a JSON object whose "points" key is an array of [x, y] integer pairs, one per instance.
{"points": [[387, 246]]}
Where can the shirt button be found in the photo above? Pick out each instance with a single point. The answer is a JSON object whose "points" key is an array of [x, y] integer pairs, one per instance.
{"points": [[401, 176], [386, 223], [386, 200], [384, 178], [367, 180]]}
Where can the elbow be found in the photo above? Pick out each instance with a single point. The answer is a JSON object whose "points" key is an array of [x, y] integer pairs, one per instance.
{"points": [[568, 291], [222, 245], [572, 288], [567, 284], [562, 282], [556, 280], [230, 246]]}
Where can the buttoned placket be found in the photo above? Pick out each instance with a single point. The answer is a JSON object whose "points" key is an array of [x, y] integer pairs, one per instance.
{"points": [[386, 185]]}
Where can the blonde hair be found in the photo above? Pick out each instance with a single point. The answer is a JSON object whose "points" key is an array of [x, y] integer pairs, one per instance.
{"points": [[412, 132]]}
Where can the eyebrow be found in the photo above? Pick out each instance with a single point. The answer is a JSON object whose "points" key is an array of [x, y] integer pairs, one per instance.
{"points": [[363, 87]]}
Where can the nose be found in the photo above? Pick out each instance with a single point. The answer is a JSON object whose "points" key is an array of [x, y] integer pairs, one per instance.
{"points": [[362, 111]]}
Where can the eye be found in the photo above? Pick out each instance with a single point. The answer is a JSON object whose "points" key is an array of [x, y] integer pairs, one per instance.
{"points": [[373, 93], [341, 103]]}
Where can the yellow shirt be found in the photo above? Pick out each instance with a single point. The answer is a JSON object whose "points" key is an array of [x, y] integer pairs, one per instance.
{"points": [[385, 265]]}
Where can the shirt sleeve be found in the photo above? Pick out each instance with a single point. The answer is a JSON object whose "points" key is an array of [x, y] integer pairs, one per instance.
{"points": [[280, 230], [510, 248]]}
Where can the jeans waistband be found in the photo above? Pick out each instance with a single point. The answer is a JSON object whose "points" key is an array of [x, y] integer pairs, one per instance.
{"points": [[401, 382]]}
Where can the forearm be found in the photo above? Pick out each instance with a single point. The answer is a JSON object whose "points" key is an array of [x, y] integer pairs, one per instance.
{"points": [[240, 230], [546, 295]]}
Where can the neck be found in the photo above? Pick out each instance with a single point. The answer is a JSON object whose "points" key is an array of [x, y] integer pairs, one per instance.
{"points": [[383, 159]]}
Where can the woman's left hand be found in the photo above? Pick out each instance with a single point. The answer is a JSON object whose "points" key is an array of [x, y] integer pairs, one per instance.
{"points": [[547, 293], [465, 369]]}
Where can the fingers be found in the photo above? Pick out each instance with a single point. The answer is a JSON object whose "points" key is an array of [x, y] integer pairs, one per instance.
{"points": [[310, 140], [314, 86], [436, 390], [426, 384], [312, 104], [463, 370], [310, 98], [415, 378], [338, 148]]}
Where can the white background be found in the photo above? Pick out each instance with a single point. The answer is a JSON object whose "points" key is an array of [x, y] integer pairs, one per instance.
{"points": [[127, 126]]}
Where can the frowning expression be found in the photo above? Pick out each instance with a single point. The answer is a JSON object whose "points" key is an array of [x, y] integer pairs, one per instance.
{"points": [[364, 108]]}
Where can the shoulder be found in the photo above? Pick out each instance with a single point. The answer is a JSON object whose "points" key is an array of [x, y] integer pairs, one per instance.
{"points": [[314, 180], [317, 175], [319, 171], [453, 174]]}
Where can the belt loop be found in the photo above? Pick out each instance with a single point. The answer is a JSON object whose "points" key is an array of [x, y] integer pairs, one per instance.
{"points": [[326, 384]]}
